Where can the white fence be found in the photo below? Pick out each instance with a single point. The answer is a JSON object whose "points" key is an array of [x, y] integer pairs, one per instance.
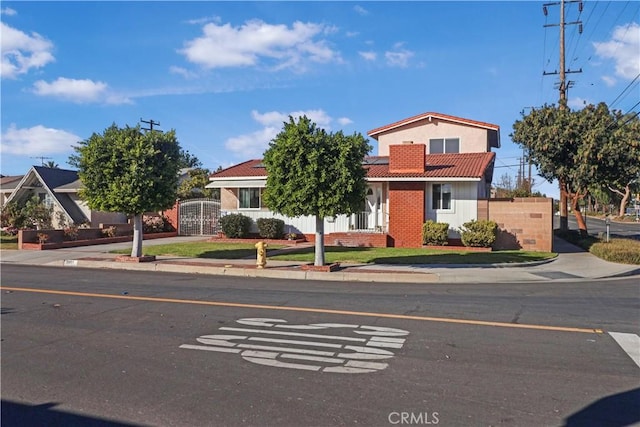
{"points": [[361, 221]]}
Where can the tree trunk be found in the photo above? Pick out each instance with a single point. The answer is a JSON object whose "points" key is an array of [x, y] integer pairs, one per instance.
{"points": [[136, 250], [625, 200], [564, 215], [319, 245], [582, 226]]}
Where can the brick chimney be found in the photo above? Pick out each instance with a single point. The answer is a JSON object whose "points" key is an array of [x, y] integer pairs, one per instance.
{"points": [[407, 158]]}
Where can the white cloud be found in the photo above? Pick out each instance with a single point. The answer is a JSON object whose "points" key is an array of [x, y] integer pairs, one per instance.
{"points": [[182, 72], [37, 140], [399, 56], [252, 145], [369, 55], [255, 143], [204, 20], [22, 52], [344, 121], [577, 103], [624, 49], [609, 81], [78, 91], [8, 11], [360, 10], [352, 33], [249, 44]]}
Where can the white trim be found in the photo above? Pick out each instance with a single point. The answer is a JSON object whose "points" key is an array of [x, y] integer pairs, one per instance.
{"points": [[237, 183], [429, 117], [235, 178]]}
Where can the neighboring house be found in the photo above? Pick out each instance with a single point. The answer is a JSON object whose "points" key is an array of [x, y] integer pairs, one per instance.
{"points": [[430, 166], [7, 185], [59, 188]]}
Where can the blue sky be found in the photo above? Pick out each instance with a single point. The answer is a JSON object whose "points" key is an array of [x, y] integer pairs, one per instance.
{"points": [[225, 75]]}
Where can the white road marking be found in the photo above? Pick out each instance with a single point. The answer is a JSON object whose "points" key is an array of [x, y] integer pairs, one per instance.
{"points": [[294, 334], [630, 343], [312, 358], [291, 350], [209, 348], [259, 346], [313, 343]]}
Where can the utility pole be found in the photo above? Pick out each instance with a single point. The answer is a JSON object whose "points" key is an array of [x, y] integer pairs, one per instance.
{"points": [[563, 87], [150, 122]]}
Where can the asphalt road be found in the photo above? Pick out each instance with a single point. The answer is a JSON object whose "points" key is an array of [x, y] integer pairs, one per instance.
{"points": [[596, 226], [94, 347]]}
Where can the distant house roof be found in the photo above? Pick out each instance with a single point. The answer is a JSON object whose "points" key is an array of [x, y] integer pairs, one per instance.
{"points": [[471, 166], [51, 179], [8, 183]]}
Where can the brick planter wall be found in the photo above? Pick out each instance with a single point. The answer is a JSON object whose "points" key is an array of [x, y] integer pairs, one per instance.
{"points": [[56, 237]]}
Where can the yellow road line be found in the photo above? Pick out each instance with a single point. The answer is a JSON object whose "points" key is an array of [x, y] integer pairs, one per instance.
{"points": [[309, 310]]}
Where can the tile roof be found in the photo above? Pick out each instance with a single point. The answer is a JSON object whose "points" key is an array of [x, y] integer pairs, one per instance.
{"points": [[460, 165], [374, 132], [248, 168]]}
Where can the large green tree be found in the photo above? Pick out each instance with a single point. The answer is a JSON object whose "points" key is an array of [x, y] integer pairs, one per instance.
{"points": [[130, 171], [579, 148], [621, 156], [312, 172]]}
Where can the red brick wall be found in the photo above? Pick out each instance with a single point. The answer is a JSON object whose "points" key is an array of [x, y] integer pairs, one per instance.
{"points": [[407, 158], [172, 215], [523, 223], [406, 214]]}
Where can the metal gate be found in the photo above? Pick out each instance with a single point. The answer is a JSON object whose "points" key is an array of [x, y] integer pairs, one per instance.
{"points": [[199, 217]]}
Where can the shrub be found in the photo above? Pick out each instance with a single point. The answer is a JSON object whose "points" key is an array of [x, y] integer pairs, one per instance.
{"points": [[435, 233], [479, 234], [625, 251], [235, 225], [70, 233], [152, 224], [109, 231], [270, 228]]}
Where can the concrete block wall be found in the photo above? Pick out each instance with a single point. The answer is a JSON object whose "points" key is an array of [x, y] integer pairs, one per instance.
{"points": [[523, 223]]}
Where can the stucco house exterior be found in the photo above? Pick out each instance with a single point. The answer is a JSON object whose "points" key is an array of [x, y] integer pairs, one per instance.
{"points": [[429, 166]]}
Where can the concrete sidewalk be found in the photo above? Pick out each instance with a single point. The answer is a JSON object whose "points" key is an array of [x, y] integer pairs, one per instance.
{"points": [[572, 263]]}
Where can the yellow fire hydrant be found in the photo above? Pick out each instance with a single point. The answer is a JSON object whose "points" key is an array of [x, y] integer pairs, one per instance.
{"points": [[261, 260]]}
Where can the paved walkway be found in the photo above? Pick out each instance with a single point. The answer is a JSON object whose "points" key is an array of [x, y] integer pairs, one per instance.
{"points": [[572, 263]]}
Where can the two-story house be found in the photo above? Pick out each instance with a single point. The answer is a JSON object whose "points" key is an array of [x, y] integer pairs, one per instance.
{"points": [[430, 166]]}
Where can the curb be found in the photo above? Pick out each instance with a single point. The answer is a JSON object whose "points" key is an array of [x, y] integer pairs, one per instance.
{"points": [[273, 273]]}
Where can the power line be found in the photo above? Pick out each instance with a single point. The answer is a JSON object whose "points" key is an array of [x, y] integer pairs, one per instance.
{"points": [[623, 91]]}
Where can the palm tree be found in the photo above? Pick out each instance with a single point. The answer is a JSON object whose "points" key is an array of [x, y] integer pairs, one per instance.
{"points": [[51, 164]]}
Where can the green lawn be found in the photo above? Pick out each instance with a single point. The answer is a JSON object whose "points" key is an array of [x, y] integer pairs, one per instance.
{"points": [[413, 256], [8, 242], [203, 250], [346, 255]]}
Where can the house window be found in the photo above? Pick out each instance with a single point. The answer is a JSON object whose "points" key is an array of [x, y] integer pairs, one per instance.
{"points": [[45, 199], [441, 197], [444, 145], [249, 198]]}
